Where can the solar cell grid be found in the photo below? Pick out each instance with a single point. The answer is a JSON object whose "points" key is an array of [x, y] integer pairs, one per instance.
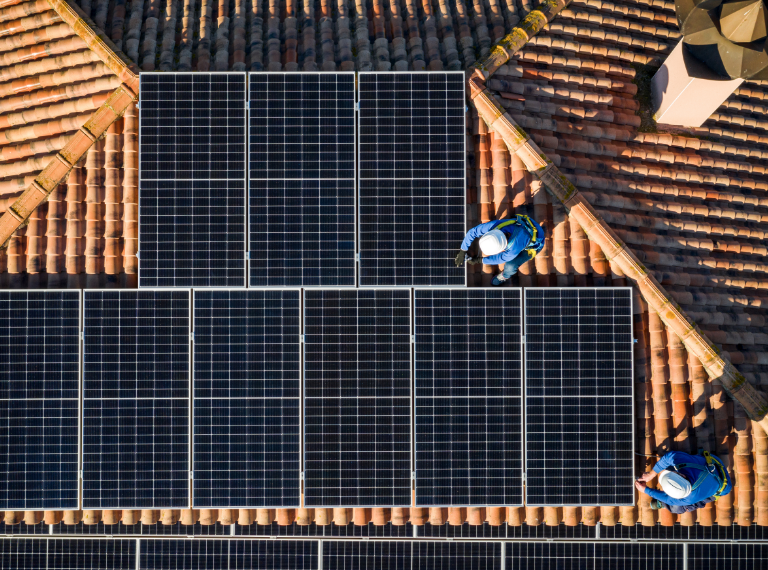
{"points": [[136, 399], [192, 180], [595, 556], [468, 360], [228, 555], [67, 554], [579, 408], [727, 556], [39, 399], [246, 399], [610, 556], [395, 555], [302, 179], [357, 398], [412, 178]]}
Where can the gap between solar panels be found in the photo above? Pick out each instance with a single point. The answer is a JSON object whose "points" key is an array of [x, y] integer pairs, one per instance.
{"points": [[301, 227]]}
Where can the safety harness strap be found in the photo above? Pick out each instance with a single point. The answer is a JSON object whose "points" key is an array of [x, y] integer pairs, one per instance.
{"points": [[714, 468], [525, 221]]}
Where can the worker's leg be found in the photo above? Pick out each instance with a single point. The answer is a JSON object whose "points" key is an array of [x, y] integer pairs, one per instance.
{"points": [[511, 267]]}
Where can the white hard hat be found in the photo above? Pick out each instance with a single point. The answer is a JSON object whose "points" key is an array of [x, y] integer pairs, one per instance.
{"points": [[674, 484], [493, 242]]}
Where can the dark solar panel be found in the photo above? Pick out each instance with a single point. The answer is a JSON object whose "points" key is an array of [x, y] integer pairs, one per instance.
{"points": [[387, 555], [727, 556], [412, 178], [136, 399], [67, 554], [228, 555], [623, 556], [246, 399], [357, 398], [595, 556], [302, 179], [468, 361], [192, 180], [579, 409], [550, 556], [39, 399]]}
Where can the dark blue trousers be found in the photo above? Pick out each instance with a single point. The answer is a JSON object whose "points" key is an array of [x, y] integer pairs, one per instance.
{"points": [[511, 267]]}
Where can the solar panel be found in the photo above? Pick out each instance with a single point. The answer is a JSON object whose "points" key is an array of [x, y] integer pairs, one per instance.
{"points": [[357, 398], [228, 554], [412, 178], [67, 554], [136, 399], [468, 405], [246, 399], [727, 556], [302, 179], [610, 556], [578, 396], [192, 180], [39, 399], [401, 555], [594, 556]]}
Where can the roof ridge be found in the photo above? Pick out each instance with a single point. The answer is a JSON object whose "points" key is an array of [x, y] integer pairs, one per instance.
{"points": [[93, 129], [536, 162]]}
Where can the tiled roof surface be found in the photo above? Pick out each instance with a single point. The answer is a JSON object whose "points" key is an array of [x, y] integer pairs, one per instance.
{"points": [[692, 207]]}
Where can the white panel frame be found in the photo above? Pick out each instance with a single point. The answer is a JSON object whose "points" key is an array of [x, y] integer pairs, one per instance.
{"points": [[189, 388], [248, 178], [357, 164], [192, 393], [525, 391], [79, 397], [303, 394], [245, 178], [522, 396]]}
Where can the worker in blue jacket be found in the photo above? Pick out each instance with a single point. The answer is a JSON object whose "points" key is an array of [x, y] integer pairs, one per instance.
{"points": [[688, 482], [512, 242]]}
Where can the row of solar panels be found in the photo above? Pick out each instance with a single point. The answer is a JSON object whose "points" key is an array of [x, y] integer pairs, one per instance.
{"points": [[238, 554], [287, 143], [217, 375]]}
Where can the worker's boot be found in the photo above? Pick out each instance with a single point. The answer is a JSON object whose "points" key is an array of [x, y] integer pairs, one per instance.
{"points": [[656, 505], [498, 282]]}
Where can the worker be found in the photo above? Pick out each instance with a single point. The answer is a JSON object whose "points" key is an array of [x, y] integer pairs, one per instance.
{"points": [[688, 482], [512, 242]]}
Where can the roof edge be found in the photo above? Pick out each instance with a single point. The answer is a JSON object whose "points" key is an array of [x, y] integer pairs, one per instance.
{"points": [[578, 207], [101, 119]]}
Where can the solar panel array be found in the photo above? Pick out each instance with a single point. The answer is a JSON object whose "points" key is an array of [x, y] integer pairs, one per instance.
{"points": [[302, 179], [39, 399], [579, 408], [385, 555], [357, 398], [246, 398], [412, 178], [67, 554], [136, 399], [727, 556], [468, 405], [192, 133], [595, 556], [228, 554]]}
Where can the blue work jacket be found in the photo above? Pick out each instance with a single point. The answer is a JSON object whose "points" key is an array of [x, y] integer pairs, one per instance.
{"points": [[518, 239], [707, 489]]}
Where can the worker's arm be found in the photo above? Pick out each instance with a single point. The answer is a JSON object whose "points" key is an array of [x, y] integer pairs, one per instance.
{"points": [[502, 257], [476, 232], [673, 458]]}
